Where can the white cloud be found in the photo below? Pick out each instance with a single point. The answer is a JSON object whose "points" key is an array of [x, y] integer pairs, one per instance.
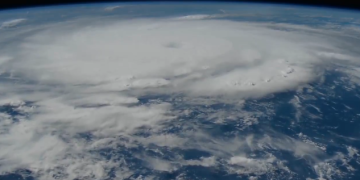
{"points": [[338, 56], [111, 8], [194, 17], [251, 165], [160, 165], [352, 152], [11, 23], [204, 161], [330, 168], [106, 56]]}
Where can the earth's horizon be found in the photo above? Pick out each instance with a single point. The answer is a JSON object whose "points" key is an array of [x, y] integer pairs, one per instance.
{"points": [[179, 91]]}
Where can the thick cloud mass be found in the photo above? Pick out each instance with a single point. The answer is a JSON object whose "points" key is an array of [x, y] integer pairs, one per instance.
{"points": [[206, 57], [79, 86]]}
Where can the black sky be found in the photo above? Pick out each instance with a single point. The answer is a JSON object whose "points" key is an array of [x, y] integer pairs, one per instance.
{"points": [[344, 4]]}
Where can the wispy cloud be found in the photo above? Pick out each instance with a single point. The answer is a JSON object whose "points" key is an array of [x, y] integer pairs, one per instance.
{"points": [[111, 8], [11, 23]]}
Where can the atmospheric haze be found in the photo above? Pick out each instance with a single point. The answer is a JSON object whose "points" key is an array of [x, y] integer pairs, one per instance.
{"points": [[85, 80]]}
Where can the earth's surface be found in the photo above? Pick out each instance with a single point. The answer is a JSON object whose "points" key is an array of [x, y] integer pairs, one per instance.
{"points": [[179, 91]]}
